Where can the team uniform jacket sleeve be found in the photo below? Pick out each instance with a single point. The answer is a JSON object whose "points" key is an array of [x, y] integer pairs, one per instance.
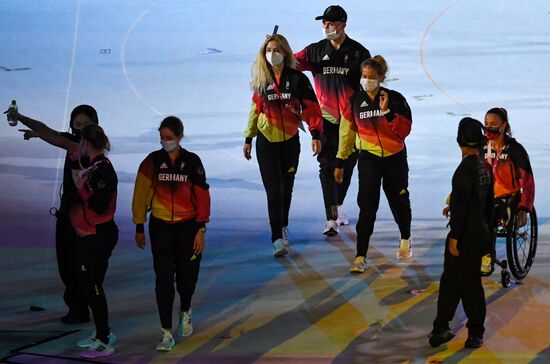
{"points": [[143, 193], [348, 133], [101, 187], [399, 117], [200, 188], [460, 198], [302, 63], [311, 111], [255, 110], [526, 179]]}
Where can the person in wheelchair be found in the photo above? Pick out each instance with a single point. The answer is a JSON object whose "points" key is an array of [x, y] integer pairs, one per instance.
{"points": [[514, 182], [514, 188]]}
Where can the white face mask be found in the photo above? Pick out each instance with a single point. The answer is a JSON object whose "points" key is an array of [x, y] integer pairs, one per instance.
{"points": [[369, 84], [169, 145], [274, 58], [330, 35]]}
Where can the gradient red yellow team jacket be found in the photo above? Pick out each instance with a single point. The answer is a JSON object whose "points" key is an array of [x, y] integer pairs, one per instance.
{"points": [[278, 120], [174, 192], [336, 73], [365, 125], [512, 172]]}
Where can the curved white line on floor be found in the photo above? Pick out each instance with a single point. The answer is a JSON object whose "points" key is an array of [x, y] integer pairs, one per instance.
{"points": [[438, 86], [423, 61], [123, 60]]}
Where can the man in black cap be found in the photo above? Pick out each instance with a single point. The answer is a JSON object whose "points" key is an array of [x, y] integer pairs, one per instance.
{"points": [[335, 65], [471, 210]]}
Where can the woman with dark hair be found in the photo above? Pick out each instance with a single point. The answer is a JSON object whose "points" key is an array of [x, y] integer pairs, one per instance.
{"points": [[65, 235], [377, 121], [171, 183], [283, 97], [510, 162]]}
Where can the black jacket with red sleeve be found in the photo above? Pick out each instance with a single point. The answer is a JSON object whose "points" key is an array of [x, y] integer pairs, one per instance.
{"points": [[336, 73]]}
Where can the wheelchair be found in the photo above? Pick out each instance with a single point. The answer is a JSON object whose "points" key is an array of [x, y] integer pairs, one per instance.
{"points": [[521, 241]]}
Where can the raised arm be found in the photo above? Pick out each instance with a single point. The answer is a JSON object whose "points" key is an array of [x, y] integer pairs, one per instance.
{"points": [[38, 129]]}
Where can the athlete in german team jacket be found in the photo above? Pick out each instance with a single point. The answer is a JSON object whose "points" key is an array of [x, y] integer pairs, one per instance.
{"points": [[171, 183], [376, 122], [511, 166], [283, 97], [335, 65]]}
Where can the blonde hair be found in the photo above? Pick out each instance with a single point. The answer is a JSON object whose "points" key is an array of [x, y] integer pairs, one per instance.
{"points": [[377, 63], [261, 70]]}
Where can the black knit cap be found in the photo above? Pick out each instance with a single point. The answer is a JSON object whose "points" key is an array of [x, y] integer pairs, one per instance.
{"points": [[334, 13], [470, 133]]}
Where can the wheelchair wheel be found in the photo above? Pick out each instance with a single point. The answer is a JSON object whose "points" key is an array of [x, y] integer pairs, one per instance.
{"points": [[521, 245]]}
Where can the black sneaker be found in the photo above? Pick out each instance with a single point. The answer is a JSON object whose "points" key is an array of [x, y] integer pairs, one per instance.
{"points": [[439, 338], [473, 342], [73, 319]]}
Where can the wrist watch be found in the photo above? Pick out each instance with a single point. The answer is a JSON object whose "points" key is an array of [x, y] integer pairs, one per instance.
{"points": [[202, 229]]}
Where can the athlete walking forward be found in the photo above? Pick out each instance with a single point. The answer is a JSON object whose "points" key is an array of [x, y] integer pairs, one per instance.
{"points": [[334, 63], [282, 98], [471, 213], [377, 121], [171, 183], [65, 236]]}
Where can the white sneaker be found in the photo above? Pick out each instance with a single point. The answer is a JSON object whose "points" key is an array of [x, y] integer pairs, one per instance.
{"points": [[342, 217], [279, 248], [166, 341], [87, 342], [285, 237], [331, 228], [185, 327], [405, 249], [359, 265], [98, 350]]}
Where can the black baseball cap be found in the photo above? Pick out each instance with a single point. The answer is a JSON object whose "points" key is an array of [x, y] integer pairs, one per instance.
{"points": [[334, 13], [470, 133]]}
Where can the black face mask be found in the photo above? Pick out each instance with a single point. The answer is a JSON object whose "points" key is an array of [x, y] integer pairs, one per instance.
{"points": [[492, 133]]}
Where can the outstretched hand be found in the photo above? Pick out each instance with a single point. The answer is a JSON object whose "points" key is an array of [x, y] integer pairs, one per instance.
{"points": [[12, 113], [28, 134]]}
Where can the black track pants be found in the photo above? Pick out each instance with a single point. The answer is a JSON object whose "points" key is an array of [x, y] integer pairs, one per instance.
{"points": [[173, 258], [278, 165], [393, 174], [333, 193], [94, 252], [67, 264], [461, 281]]}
